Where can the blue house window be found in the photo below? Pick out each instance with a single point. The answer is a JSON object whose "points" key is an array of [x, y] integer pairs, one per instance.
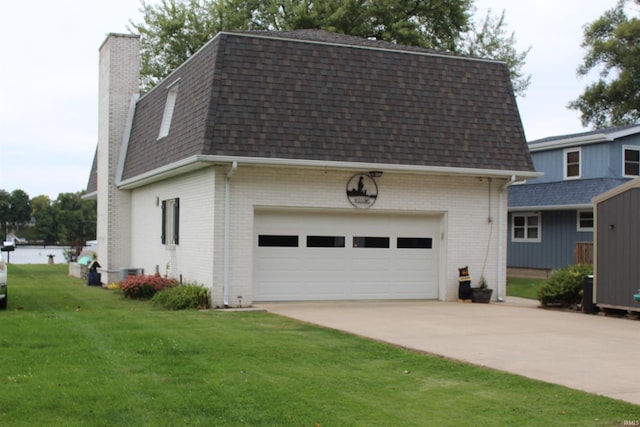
{"points": [[631, 161], [572, 169], [526, 227], [585, 220]]}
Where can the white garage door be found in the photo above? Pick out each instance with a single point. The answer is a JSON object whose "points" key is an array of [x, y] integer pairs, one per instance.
{"points": [[332, 256]]}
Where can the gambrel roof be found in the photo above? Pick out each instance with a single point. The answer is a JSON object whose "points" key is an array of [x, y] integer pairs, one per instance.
{"points": [[315, 96]]}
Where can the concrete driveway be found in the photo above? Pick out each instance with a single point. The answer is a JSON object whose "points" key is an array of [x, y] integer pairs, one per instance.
{"points": [[596, 354]]}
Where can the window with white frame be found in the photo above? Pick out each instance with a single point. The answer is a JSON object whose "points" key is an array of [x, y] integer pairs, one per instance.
{"points": [[170, 222], [631, 164], [585, 220], [572, 163], [526, 227], [169, 106]]}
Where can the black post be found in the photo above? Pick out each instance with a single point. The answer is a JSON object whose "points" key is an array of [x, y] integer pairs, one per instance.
{"points": [[588, 307]]}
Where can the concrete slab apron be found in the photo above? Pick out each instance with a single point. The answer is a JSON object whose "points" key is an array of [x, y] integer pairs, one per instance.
{"points": [[591, 353]]}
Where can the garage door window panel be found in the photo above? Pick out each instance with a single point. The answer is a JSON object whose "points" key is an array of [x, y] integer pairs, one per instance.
{"points": [[371, 242], [325, 241], [278, 240], [414, 243]]}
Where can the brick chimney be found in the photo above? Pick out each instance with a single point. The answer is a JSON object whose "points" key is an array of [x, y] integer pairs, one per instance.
{"points": [[118, 84]]}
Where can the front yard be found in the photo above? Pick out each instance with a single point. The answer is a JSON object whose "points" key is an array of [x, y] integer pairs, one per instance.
{"points": [[524, 288], [77, 355]]}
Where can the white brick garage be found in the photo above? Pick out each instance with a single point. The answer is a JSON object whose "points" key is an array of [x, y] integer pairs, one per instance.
{"points": [[346, 255], [442, 134]]}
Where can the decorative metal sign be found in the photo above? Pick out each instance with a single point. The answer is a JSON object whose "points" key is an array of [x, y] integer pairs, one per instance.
{"points": [[362, 191]]}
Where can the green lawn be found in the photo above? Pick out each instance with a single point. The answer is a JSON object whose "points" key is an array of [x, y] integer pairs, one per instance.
{"points": [[74, 355], [524, 288]]}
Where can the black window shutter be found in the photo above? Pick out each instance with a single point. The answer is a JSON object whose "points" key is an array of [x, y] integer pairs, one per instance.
{"points": [[176, 221], [163, 235]]}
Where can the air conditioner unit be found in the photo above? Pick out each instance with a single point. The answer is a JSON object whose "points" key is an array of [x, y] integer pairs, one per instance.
{"points": [[126, 272]]}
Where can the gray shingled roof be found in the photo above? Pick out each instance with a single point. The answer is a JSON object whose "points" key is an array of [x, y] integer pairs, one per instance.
{"points": [[604, 131], [560, 194], [314, 95], [92, 185]]}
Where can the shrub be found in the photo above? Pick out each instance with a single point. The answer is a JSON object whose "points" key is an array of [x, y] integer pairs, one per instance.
{"points": [[191, 295], [145, 287], [564, 288]]}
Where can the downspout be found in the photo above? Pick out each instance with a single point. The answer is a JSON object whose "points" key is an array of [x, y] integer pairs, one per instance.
{"points": [[501, 238], [227, 213]]}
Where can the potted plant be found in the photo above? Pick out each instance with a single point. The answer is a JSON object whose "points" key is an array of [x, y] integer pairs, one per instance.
{"points": [[482, 293]]}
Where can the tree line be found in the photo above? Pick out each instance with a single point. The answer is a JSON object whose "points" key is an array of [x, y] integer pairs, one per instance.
{"points": [[173, 30], [67, 220]]}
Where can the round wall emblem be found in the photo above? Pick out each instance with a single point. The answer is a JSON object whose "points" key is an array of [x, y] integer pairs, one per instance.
{"points": [[362, 191]]}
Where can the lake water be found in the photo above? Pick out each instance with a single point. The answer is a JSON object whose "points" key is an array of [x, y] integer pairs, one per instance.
{"points": [[36, 255]]}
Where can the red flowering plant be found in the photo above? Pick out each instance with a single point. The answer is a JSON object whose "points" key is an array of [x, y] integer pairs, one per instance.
{"points": [[145, 287]]}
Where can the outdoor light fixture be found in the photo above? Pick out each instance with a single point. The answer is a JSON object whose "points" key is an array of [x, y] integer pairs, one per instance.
{"points": [[375, 174]]}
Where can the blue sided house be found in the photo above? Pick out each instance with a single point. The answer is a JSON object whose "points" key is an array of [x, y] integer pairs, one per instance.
{"points": [[551, 217]]}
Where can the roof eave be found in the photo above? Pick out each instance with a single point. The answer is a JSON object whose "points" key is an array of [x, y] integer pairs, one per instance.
{"points": [[201, 161], [570, 142], [635, 183], [93, 195], [583, 139]]}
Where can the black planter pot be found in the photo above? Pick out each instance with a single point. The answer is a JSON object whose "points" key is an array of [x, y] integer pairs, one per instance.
{"points": [[481, 295]]}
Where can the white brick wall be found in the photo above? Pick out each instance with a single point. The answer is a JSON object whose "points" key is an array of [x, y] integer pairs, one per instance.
{"points": [[460, 203], [119, 79], [192, 259]]}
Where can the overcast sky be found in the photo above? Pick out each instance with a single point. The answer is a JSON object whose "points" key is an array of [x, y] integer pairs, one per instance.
{"points": [[49, 79]]}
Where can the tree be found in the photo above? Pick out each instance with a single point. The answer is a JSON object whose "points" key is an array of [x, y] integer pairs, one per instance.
{"points": [[15, 210], [612, 43], [5, 207], [489, 39], [174, 30], [44, 215], [20, 213], [68, 220], [75, 218]]}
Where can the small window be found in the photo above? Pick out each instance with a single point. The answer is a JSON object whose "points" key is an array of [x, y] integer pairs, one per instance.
{"points": [[585, 220], [370, 242], [325, 241], [278, 240], [170, 222], [414, 243], [572, 167], [526, 228], [631, 161], [169, 106]]}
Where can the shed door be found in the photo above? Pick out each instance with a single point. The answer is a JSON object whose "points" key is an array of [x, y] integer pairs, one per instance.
{"points": [[330, 256]]}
